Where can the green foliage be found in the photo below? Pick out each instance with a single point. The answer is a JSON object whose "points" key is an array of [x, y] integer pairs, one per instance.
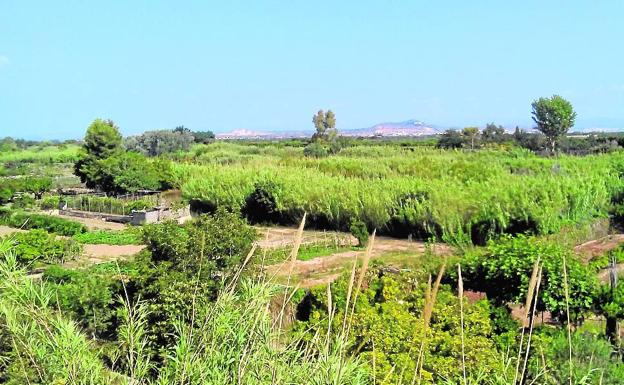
{"points": [[204, 137], [127, 172], [32, 185], [233, 343], [472, 135], [130, 172], [87, 297], [554, 116], [592, 360], [387, 329], [23, 202], [129, 236], [316, 150], [41, 155], [504, 269], [190, 260], [451, 139], [359, 231], [36, 186], [154, 143], [102, 139], [494, 134], [105, 166], [260, 205], [460, 197], [46, 348], [49, 223], [39, 246], [325, 124]]}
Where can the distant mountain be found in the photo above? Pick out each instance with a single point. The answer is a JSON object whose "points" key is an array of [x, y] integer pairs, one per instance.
{"points": [[390, 129], [263, 135], [406, 128]]}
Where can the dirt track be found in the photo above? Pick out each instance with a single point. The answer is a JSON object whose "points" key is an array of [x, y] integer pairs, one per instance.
{"points": [[598, 247], [327, 268], [5, 230], [95, 254]]}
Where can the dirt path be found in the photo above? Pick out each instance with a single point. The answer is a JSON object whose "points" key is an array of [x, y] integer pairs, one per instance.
{"points": [[96, 254], [6, 230], [327, 268], [277, 237], [598, 247]]}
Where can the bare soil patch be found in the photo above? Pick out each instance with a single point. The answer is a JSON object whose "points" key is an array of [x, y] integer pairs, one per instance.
{"points": [[277, 237], [96, 254], [6, 230], [598, 247], [325, 269]]}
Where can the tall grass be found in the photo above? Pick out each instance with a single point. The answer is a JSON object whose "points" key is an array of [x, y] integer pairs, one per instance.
{"points": [[231, 341], [456, 195]]}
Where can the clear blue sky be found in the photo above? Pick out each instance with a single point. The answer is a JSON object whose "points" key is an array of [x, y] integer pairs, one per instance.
{"points": [[260, 65]]}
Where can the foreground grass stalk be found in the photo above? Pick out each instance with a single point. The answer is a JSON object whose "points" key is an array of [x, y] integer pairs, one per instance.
{"points": [[528, 348], [568, 326], [460, 295], [525, 318]]}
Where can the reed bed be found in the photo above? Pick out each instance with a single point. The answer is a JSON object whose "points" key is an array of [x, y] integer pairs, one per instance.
{"points": [[460, 196]]}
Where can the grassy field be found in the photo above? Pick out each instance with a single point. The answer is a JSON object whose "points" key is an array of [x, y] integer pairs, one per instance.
{"points": [[42, 154], [388, 315]]}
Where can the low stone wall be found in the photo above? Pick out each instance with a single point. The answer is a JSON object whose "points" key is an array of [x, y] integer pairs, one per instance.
{"points": [[155, 216]]}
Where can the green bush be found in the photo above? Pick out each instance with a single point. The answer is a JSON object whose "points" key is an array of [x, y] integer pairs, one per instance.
{"points": [[387, 329], [129, 236], [49, 223], [49, 202], [503, 271], [260, 206], [316, 150], [359, 231], [87, 297], [592, 360], [39, 246], [190, 260]]}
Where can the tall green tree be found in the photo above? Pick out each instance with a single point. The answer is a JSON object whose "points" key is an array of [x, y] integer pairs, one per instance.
{"points": [[554, 116], [493, 133], [101, 141], [325, 124], [471, 133]]}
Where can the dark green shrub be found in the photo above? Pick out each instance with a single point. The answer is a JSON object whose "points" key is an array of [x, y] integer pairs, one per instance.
{"points": [[50, 202], [358, 230], [38, 245], [187, 261], [260, 205], [593, 361], [89, 298], [49, 223], [315, 150], [503, 271]]}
